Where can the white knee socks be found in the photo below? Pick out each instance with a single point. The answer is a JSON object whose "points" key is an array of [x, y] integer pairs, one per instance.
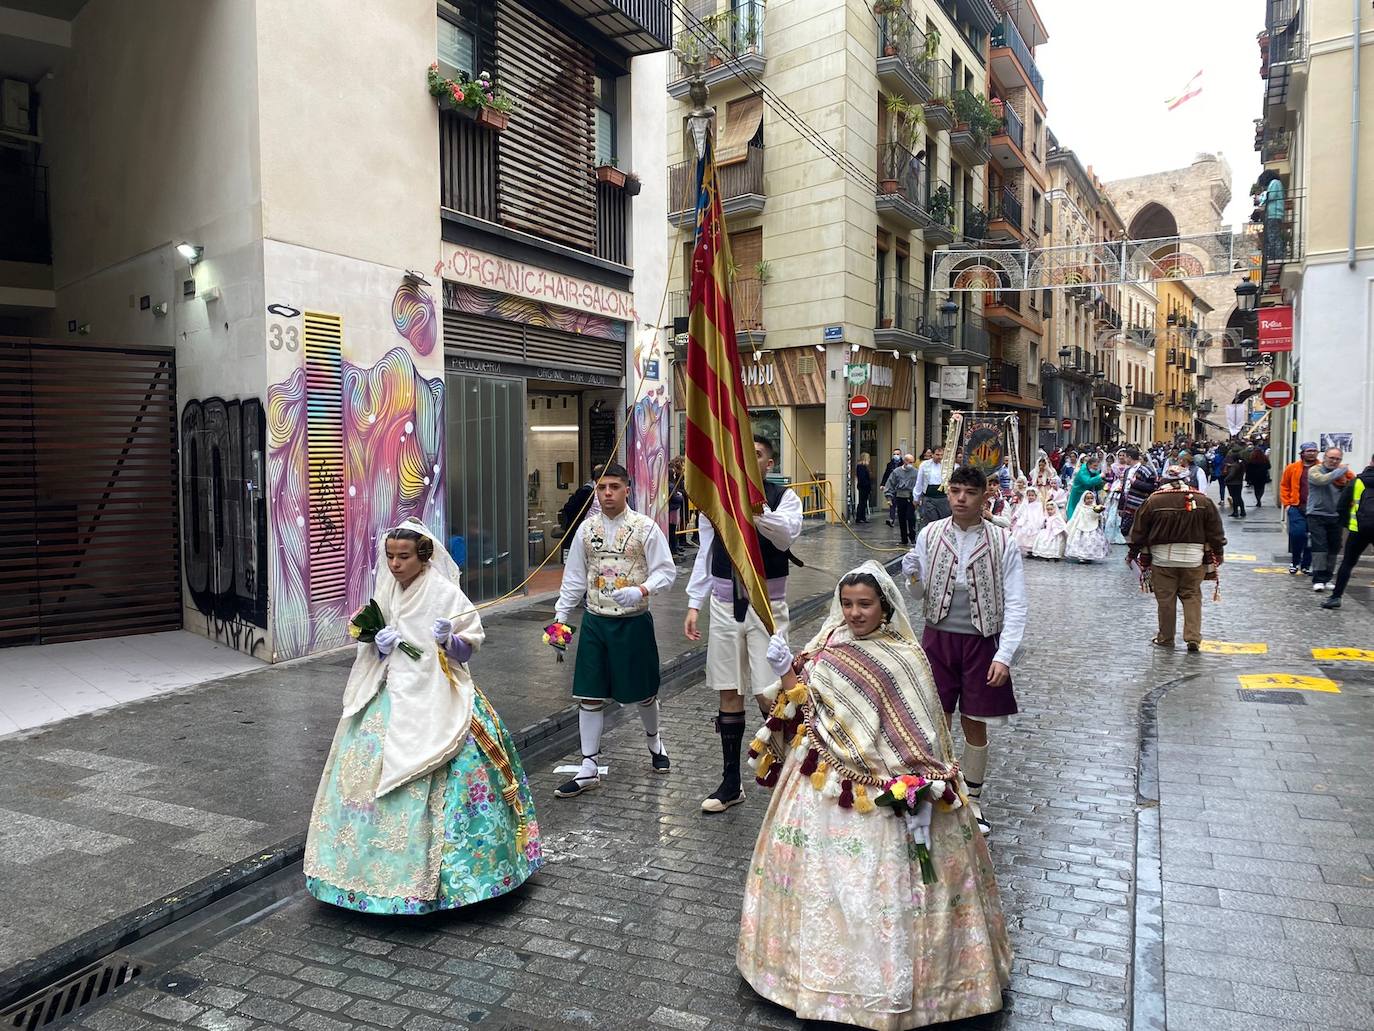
{"points": [[975, 767], [648, 713], [590, 720]]}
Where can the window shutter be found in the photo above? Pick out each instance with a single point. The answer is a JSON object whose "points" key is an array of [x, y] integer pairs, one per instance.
{"points": [[545, 185]]}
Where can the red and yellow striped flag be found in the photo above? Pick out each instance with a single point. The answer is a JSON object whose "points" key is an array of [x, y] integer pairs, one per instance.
{"points": [[722, 474]]}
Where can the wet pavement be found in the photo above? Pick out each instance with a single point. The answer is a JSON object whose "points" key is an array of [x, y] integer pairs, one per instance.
{"points": [[1171, 853], [109, 812]]}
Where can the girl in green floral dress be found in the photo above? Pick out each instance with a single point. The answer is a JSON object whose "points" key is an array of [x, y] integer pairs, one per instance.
{"points": [[423, 804]]}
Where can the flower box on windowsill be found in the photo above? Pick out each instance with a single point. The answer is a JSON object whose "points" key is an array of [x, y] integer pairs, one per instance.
{"points": [[610, 174], [493, 119]]}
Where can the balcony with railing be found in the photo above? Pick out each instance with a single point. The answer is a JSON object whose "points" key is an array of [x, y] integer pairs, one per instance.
{"points": [[940, 208], [1281, 237], [1108, 392], [971, 342], [746, 301], [1004, 378], [724, 45], [938, 111], [1011, 58], [900, 323], [975, 222], [969, 137], [903, 67], [741, 188], [1005, 220], [1009, 144], [902, 187], [637, 26]]}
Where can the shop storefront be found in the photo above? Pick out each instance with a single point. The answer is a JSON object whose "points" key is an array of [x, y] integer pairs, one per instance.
{"points": [[786, 393], [535, 369]]}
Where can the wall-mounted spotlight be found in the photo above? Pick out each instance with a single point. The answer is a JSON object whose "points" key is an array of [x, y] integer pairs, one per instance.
{"points": [[414, 278], [192, 252]]}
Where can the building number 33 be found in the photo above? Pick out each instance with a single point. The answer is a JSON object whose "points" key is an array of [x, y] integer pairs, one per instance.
{"points": [[279, 337]]}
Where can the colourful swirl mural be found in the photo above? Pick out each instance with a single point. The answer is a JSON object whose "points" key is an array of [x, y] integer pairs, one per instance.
{"points": [[412, 313], [393, 446], [649, 462]]}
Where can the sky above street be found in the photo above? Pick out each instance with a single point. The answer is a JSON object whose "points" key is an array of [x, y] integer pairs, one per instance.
{"points": [[1111, 67]]}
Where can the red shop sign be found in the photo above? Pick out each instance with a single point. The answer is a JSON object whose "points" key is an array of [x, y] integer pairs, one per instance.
{"points": [[1276, 328]]}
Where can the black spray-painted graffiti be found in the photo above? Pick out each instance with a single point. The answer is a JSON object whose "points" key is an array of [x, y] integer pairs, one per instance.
{"points": [[224, 517]]}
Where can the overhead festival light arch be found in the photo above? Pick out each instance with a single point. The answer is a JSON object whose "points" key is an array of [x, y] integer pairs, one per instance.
{"points": [[1108, 263]]}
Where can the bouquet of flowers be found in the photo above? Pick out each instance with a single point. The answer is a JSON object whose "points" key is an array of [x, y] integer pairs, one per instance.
{"points": [[364, 626], [559, 635], [914, 798]]}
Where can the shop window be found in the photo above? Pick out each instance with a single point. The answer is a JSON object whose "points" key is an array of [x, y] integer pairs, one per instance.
{"points": [[767, 423]]}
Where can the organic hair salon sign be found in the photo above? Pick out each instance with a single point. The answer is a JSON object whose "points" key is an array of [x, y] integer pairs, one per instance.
{"points": [[477, 268], [1276, 328]]}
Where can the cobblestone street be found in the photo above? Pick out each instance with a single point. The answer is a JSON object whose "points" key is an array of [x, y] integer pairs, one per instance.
{"points": [[1255, 826]]}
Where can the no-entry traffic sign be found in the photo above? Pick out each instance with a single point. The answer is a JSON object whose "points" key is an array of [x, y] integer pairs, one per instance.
{"points": [[859, 406], [1277, 393], [1067, 424]]}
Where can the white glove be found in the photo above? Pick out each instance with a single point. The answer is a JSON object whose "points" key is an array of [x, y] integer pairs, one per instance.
{"points": [[778, 655], [628, 597], [443, 630], [386, 640], [918, 824], [911, 565]]}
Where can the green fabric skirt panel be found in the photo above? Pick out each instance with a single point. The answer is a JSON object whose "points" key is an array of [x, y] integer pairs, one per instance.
{"points": [[440, 842], [617, 658]]}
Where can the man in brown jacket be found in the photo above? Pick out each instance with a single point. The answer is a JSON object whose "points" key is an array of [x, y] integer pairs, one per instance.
{"points": [[1176, 528]]}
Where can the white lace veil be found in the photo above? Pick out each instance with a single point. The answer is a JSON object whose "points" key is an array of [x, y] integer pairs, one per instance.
{"points": [[834, 623], [442, 563]]}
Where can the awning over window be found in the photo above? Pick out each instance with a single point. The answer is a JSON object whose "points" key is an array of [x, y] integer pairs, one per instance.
{"points": [[742, 120]]}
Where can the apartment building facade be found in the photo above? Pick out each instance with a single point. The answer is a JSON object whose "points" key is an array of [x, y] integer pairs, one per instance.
{"points": [[1087, 338], [832, 252], [340, 300], [1018, 214], [1316, 222]]}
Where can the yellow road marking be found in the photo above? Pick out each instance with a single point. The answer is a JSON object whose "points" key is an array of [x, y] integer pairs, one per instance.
{"points": [[1240, 558], [1342, 655], [1269, 569], [1286, 682], [1235, 647]]}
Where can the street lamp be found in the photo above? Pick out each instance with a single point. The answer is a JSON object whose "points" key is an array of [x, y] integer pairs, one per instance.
{"points": [[1247, 295], [949, 316]]}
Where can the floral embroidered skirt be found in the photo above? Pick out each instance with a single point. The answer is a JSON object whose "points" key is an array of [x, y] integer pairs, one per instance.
{"points": [[1089, 545], [838, 926], [440, 842]]}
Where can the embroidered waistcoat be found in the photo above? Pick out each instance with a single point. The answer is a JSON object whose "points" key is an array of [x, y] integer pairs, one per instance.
{"points": [[615, 561], [987, 603]]}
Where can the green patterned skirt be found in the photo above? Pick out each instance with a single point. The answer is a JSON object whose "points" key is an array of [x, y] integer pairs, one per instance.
{"points": [[440, 842]]}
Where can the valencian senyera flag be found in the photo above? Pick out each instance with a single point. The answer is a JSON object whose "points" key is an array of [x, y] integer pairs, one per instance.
{"points": [[722, 474]]}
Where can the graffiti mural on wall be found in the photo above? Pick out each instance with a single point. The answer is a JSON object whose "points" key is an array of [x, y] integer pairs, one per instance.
{"points": [[224, 520], [393, 444], [412, 313], [649, 464]]}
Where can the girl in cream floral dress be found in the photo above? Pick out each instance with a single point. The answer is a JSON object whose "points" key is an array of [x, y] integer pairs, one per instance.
{"points": [[838, 923]]}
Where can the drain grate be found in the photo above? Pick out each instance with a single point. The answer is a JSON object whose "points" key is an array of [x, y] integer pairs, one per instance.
{"points": [[71, 993], [1272, 697]]}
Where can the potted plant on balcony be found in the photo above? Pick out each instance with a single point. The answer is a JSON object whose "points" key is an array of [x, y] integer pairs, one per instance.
{"points": [[632, 184], [609, 173], [476, 98], [763, 272], [941, 206]]}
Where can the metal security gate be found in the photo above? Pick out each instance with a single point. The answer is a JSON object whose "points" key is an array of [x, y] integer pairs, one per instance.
{"points": [[89, 524]]}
